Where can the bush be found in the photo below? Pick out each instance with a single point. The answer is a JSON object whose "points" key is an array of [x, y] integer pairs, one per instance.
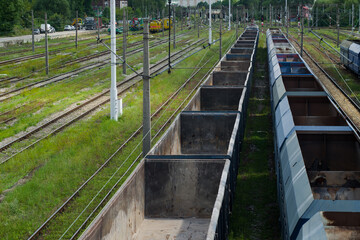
{"points": [[56, 20]]}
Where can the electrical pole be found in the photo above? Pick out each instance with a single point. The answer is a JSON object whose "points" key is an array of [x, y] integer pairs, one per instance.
{"points": [[337, 25], [286, 19], [199, 22], [352, 20], [270, 10], [146, 90], [32, 30], [302, 31], [169, 70], [229, 15], [182, 18], [220, 53], [237, 23], [98, 14], [210, 31], [76, 29], [46, 47], [124, 40], [113, 89], [174, 23], [162, 23]]}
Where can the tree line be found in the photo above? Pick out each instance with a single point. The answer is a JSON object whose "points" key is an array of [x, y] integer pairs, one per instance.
{"points": [[15, 15]]}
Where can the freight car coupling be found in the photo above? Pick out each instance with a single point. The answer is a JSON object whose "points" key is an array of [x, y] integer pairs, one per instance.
{"points": [[317, 152], [184, 187]]}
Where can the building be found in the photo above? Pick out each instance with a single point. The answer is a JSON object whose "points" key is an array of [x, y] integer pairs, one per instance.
{"points": [[190, 3], [106, 3]]}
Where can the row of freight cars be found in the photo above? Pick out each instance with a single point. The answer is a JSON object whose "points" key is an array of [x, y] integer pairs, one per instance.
{"points": [[317, 151], [350, 55], [184, 188]]}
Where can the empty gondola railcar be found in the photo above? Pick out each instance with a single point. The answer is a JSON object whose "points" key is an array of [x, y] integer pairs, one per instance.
{"points": [[317, 151], [184, 187]]}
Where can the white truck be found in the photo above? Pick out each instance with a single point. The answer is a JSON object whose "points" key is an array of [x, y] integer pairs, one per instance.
{"points": [[50, 29]]}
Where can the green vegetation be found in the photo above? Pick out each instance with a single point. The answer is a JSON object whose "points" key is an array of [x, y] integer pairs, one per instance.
{"points": [[39, 180], [66, 92], [255, 213]]}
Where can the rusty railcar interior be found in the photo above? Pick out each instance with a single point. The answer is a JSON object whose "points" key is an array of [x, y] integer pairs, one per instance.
{"points": [[316, 150], [184, 188]]}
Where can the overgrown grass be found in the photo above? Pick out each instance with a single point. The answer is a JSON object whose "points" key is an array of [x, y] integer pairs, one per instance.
{"points": [[64, 93], [255, 213], [41, 178]]}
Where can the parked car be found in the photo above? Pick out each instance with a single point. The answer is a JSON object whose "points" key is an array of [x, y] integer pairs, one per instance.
{"points": [[119, 30], [51, 30], [72, 27], [36, 31], [67, 28]]}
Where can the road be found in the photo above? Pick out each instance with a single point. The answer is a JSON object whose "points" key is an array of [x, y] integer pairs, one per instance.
{"points": [[6, 41]]}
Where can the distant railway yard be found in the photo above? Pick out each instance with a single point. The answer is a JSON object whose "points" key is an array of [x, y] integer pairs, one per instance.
{"points": [[254, 136]]}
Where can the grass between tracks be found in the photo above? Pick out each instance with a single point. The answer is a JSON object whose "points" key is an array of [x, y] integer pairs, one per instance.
{"points": [[65, 93], [36, 182], [255, 213]]}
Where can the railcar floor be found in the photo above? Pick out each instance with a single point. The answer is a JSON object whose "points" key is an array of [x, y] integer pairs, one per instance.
{"points": [[173, 228], [255, 213]]}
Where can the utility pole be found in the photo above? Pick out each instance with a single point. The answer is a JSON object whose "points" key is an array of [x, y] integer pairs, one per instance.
{"points": [[302, 31], [32, 30], [169, 70], [220, 53], [359, 18], [46, 47], [237, 23], [229, 15], [146, 90], [352, 20], [174, 23], [286, 19], [182, 18], [76, 29], [113, 89], [337, 25], [162, 23], [124, 39], [210, 31], [270, 9], [199, 22], [98, 16]]}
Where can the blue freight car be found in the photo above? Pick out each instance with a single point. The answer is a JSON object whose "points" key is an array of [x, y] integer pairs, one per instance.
{"points": [[317, 154], [350, 55]]}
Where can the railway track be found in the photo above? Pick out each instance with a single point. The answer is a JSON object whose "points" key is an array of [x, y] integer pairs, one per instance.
{"points": [[39, 55], [78, 60], [9, 94], [89, 106], [346, 104], [72, 198]]}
